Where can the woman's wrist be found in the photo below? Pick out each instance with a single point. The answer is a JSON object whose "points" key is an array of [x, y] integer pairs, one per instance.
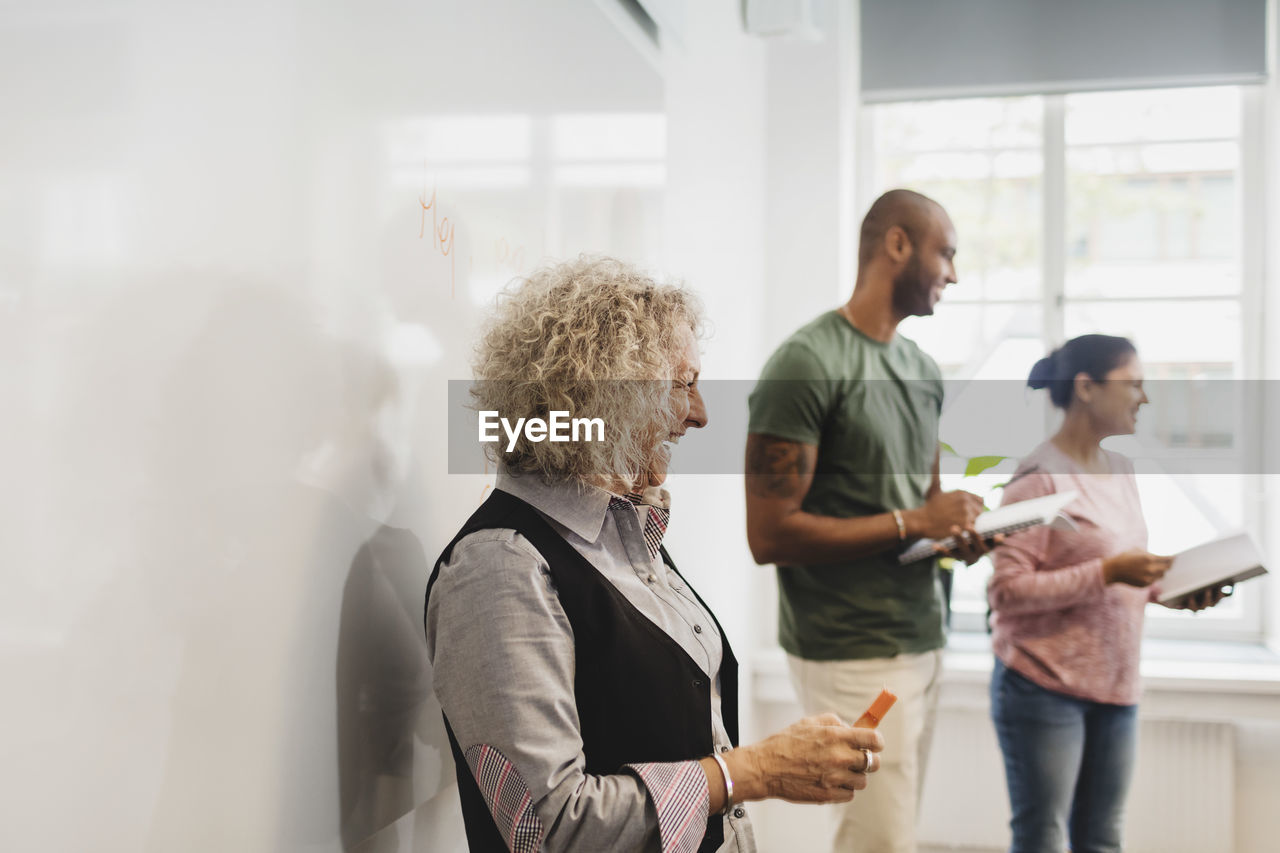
{"points": [[740, 767], [746, 777], [728, 781], [715, 785]]}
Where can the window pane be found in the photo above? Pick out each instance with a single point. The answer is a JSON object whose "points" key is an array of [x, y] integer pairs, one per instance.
{"points": [[1200, 113], [1152, 201], [1185, 511], [1175, 339], [982, 160], [969, 123], [979, 341]]}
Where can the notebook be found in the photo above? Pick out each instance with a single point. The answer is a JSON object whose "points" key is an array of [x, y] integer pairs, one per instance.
{"points": [[1229, 560], [1006, 519]]}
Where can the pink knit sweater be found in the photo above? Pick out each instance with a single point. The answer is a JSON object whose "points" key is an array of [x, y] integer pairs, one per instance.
{"points": [[1055, 621]]}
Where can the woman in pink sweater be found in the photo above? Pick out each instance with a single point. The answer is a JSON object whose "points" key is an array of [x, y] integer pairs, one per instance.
{"points": [[1067, 611]]}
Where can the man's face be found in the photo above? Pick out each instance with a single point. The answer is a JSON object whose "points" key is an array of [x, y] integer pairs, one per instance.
{"points": [[928, 270]]}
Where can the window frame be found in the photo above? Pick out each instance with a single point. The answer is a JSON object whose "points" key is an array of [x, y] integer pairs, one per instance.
{"points": [[1053, 303]]}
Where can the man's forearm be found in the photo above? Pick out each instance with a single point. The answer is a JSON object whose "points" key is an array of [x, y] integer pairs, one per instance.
{"points": [[804, 538]]}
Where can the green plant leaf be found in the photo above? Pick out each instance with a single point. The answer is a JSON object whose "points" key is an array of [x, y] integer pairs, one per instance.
{"points": [[977, 464], [947, 449]]}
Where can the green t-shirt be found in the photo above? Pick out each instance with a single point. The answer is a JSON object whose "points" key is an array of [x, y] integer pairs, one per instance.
{"points": [[872, 409]]}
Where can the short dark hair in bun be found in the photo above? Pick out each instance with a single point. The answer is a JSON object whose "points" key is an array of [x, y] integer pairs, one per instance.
{"points": [[1093, 355]]}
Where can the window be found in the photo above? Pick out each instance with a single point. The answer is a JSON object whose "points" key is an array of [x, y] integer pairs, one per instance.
{"points": [[1114, 212]]}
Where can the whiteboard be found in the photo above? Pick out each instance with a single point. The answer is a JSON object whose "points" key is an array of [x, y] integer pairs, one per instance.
{"points": [[245, 246]]}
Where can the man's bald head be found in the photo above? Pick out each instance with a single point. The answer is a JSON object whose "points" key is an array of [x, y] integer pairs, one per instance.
{"points": [[906, 209]]}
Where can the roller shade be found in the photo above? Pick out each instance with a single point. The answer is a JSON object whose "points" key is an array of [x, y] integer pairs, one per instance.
{"points": [[917, 49]]}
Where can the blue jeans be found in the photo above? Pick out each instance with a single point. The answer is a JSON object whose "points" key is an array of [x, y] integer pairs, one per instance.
{"points": [[1067, 762]]}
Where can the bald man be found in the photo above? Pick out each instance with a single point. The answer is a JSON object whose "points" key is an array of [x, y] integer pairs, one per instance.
{"points": [[848, 399]]}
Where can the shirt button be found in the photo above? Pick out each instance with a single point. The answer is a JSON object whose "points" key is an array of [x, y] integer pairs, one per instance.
{"points": [[739, 812], [651, 579], [724, 749], [697, 629]]}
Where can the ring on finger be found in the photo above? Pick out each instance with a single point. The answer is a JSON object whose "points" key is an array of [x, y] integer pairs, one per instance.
{"points": [[868, 766]]}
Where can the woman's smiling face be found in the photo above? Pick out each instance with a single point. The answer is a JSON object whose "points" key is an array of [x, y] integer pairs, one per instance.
{"points": [[688, 411], [1114, 405]]}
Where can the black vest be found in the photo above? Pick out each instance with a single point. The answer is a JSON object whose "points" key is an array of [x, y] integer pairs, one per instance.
{"points": [[640, 697]]}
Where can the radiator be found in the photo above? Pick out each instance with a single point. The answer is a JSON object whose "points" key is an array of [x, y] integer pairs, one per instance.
{"points": [[1182, 799], [1183, 794]]}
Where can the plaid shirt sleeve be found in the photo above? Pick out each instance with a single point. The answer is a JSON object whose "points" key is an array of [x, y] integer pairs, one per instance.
{"points": [[679, 794], [508, 798]]}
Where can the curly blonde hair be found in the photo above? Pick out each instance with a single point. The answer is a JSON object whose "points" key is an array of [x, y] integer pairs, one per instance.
{"points": [[594, 337]]}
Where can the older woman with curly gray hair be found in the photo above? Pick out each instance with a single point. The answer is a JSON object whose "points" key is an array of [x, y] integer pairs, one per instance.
{"points": [[589, 694]]}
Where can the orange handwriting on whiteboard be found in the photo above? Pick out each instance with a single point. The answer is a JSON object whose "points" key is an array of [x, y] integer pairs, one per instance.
{"points": [[507, 256], [442, 233]]}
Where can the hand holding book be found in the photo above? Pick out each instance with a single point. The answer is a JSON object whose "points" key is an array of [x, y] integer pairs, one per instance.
{"points": [[949, 516], [1135, 568], [989, 525], [1209, 567], [1202, 600], [943, 514]]}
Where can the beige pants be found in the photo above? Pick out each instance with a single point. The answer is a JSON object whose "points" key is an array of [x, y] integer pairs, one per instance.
{"points": [[881, 818]]}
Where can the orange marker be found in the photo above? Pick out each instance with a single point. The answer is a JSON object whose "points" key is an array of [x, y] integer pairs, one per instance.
{"points": [[873, 715]]}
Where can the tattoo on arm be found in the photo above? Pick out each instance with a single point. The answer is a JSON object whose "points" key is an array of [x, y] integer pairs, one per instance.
{"points": [[775, 466]]}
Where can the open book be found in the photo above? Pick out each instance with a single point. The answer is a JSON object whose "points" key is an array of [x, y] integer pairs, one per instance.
{"points": [[1223, 561], [1006, 519]]}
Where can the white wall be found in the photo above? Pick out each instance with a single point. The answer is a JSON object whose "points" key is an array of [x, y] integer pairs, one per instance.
{"points": [[715, 229], [1270, 308], [1257, 825], [812, 225]]}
